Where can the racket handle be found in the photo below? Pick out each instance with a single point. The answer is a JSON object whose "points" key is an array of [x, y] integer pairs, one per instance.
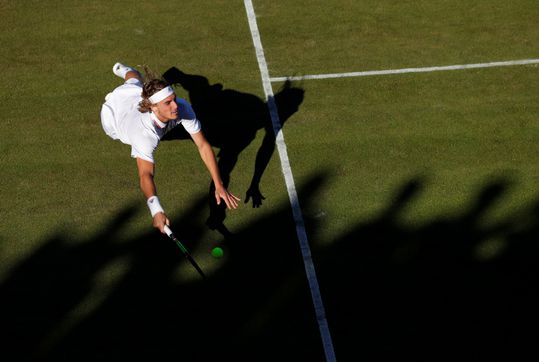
{"points": [[168, 231]]}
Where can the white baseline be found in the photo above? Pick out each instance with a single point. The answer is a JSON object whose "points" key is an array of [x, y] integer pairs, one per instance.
{"points": [[409, 70], [292, 194]]}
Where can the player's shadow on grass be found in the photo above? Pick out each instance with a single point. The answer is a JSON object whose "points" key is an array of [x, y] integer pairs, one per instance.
{"points": [[230, 121], [451, 288]]}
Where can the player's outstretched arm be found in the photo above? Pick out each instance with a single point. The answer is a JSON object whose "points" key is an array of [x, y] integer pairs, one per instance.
{"points": [[207, 155], [146, 171]]}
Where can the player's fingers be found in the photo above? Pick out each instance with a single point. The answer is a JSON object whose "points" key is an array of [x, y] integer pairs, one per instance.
{"points": [[231, 201]]}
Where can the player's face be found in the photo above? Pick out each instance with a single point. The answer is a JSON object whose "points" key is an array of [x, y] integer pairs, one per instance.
{"points": [[167, 109]]}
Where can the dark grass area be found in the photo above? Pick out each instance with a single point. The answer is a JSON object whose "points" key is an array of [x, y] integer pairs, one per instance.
{"points": [[452, 289], [434, 292], [256, 307]]}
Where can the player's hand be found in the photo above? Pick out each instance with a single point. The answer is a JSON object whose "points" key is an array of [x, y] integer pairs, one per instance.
{"points": [[159, 221], [230, 200]]}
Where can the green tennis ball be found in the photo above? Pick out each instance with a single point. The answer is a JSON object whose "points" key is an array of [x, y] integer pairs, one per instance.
{"points": [[217, 252]]}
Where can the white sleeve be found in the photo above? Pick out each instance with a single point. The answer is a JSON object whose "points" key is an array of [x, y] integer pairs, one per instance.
{"points": [[187, 116], [147, 156], [191, 125]]}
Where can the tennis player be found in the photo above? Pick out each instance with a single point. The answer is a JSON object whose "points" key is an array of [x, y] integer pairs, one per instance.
{"points": [[141, 114]]}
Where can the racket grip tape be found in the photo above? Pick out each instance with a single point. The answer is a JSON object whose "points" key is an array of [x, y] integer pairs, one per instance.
{"points": [[169, 232]]}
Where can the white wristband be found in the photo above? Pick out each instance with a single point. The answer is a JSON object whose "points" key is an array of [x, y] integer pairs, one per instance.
{"points": [[154, 205]]}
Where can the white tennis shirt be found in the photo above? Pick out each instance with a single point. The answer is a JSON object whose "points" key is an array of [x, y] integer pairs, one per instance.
{"points": [[122, 120]]}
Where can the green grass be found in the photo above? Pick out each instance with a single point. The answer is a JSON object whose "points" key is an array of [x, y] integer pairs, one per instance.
{"points": [[454, 131], [64, 172], [348, 35], [456, 125]]}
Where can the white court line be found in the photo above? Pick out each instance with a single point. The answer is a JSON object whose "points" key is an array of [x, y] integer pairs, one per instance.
{"points": [[292, 194], [408, 70]]}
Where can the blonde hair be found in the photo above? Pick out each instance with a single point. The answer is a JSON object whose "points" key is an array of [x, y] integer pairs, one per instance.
{"points": [[150, 87]]}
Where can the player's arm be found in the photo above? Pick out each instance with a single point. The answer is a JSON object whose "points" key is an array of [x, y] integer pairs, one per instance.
{"points": [[146, 171], [207, 155]]}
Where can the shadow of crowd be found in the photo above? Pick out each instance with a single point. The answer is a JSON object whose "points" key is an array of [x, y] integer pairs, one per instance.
{"points": [[391, 291]]}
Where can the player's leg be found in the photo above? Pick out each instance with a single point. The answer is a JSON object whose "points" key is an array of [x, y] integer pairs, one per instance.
{"points": [[126, 72], [122, 99]]}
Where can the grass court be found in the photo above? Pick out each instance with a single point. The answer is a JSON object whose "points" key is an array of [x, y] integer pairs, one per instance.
{"points": [[418, 191]]}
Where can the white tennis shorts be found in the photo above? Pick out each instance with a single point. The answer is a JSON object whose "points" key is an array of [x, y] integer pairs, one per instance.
{"points": [[119, 105]]}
